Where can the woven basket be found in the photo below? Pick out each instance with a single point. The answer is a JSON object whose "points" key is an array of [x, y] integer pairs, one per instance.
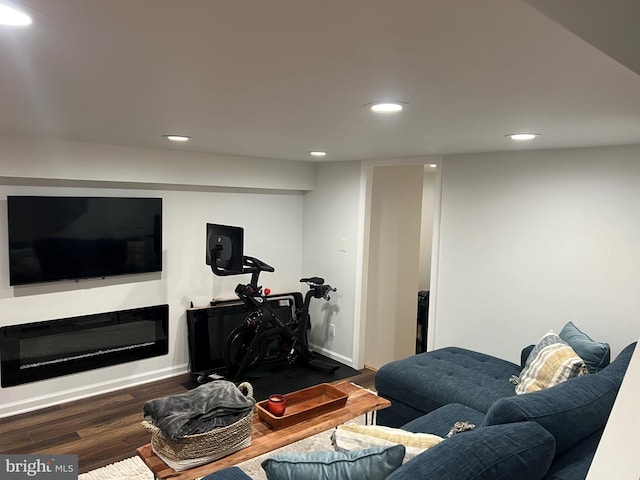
{"points": [[193, 450]]}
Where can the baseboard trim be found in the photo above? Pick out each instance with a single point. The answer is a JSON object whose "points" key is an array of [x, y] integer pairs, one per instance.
{"points": [[65, 396]]}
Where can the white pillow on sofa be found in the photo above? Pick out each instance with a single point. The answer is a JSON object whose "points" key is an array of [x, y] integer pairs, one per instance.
{"points": [[354, 436]]}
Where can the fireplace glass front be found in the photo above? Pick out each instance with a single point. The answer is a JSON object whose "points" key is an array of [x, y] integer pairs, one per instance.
{"points": [[42, 350]]}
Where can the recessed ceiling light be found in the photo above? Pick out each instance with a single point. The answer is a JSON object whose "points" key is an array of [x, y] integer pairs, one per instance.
{"points": [[387, 107], [177, 138], [318, 153], [13, 17], [432, 165], [522, 136]]}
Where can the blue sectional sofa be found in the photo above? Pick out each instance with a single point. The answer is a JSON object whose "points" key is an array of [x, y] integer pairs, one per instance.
{"points": [[551, 434], [432, 391]]}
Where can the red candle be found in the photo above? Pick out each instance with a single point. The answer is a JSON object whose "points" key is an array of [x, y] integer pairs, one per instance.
{"points": [[277, 405]]}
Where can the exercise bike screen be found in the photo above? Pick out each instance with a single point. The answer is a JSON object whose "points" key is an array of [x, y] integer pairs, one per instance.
{"points": [[209, 327]]}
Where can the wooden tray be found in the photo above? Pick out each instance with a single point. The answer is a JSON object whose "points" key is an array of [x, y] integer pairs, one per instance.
{"points": [[303, 405]]}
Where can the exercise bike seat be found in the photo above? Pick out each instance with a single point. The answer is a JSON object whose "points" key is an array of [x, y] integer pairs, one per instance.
{"points": [[314, 280]]}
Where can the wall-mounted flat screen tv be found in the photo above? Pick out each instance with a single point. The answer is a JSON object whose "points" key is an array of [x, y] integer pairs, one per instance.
{"points": [[62, 238]]}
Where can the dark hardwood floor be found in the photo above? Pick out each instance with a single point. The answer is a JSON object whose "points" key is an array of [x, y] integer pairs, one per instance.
{"points": [[100, 430]]}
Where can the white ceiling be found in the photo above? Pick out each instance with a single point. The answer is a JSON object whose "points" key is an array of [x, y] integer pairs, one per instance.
{"points": [[279, 78]]}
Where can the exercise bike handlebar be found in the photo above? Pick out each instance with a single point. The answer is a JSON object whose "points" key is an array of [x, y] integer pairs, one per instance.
{"points": [[324, 291], [317, 287], [252, 264], [326, 295], [249, 265]]}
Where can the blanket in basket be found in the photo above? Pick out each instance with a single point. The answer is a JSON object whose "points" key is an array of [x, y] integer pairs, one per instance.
{"points": [[218, 413], [212, 405]]}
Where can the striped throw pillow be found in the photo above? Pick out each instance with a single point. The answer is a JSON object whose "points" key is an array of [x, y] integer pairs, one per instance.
{"points": [[552, 361], [353, 436]]}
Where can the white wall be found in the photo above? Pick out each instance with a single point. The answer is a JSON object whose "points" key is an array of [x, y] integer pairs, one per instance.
{"points": [[531, 240], [331, 250], [33, 160], [273, 222]]}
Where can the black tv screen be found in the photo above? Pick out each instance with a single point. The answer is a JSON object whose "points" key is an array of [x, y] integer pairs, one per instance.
{"points": [[61, 238]]}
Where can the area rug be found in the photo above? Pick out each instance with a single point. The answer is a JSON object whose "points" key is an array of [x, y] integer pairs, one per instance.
{"points": [[133, 468]]}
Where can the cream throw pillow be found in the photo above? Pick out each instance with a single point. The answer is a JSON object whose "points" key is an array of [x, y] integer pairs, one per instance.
{"points": [[552, 361], [353, 436]]}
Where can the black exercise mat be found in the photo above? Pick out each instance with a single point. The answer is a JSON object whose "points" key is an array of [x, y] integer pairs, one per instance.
{"points": [[280, 377]]}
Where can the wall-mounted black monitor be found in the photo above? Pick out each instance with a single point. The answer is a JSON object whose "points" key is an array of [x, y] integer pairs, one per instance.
{"points": [[61, 238], [224, 245]]}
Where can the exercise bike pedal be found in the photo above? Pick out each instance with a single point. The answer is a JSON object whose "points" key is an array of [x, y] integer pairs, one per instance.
{"points": [[292, 357]]}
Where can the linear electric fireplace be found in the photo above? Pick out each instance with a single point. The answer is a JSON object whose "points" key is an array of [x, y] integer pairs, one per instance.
{"points": [[41, 350]]}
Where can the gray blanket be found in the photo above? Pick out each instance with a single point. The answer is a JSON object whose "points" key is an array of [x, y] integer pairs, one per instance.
{"points": [[212, 405]]}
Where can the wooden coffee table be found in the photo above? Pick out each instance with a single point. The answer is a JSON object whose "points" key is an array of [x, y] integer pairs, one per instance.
{"points": [[264, 439]]}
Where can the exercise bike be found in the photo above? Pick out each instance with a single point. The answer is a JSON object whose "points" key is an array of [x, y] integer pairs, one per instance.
{"points": [[263, 332]]}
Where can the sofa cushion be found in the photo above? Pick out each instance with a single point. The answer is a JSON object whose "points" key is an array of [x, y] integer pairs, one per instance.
{"points": [[440, 421], [596, 355], [372, 463], [354, 436], [500, 452], [551, 362], [570, 411], [430, 380]]}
